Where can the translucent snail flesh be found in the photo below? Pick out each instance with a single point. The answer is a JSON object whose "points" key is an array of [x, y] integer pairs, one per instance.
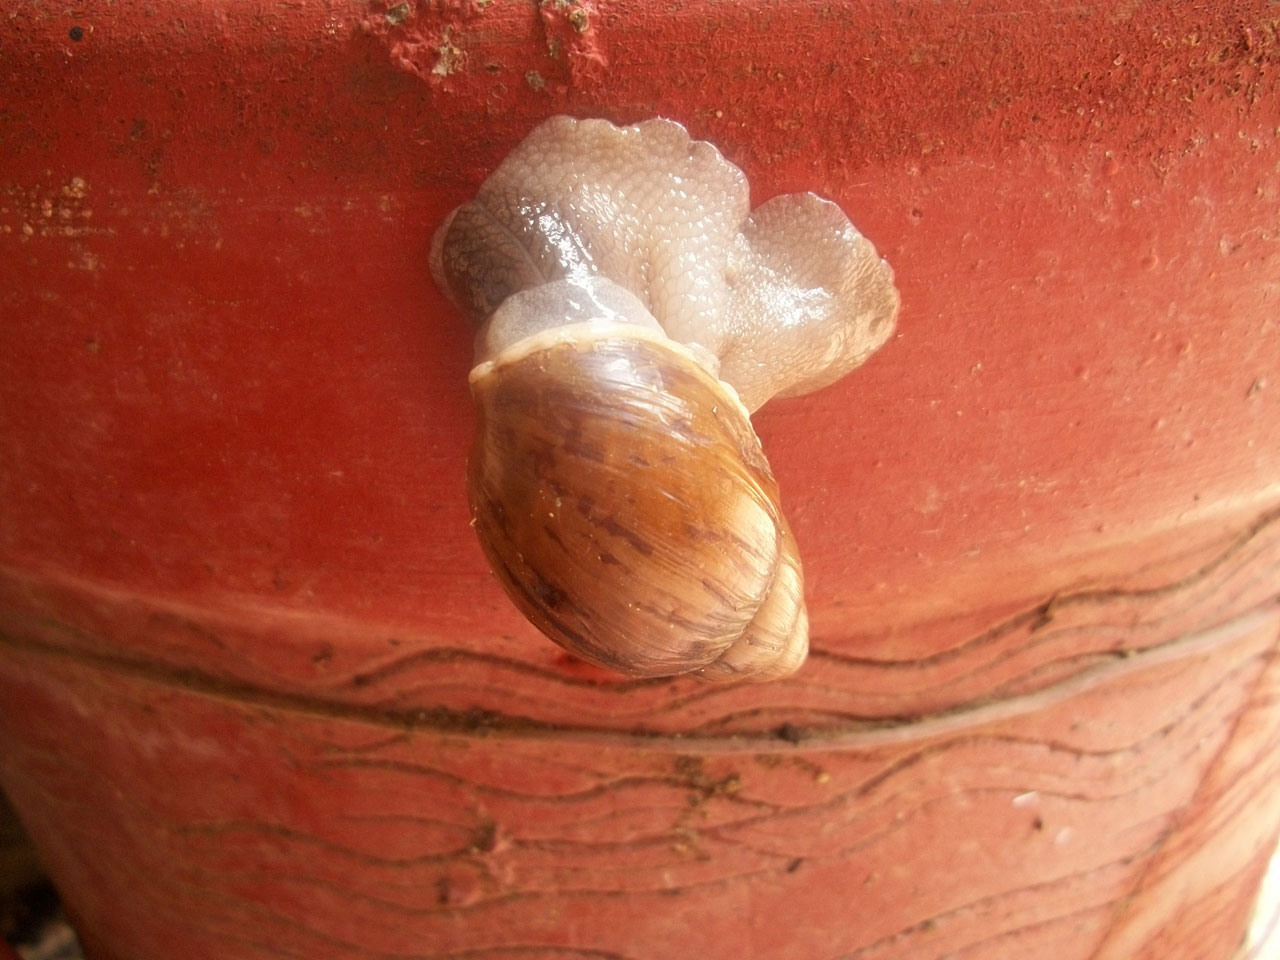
{"points": [[632, 310]]}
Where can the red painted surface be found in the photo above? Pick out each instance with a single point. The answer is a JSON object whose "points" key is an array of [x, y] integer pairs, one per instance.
{"points": [[258, 693]]}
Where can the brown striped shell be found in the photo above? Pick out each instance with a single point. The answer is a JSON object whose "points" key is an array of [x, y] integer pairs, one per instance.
{"points": [[626, 506]]}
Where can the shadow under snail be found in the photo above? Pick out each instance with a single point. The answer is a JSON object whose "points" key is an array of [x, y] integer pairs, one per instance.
{"points": [[632, 311]]}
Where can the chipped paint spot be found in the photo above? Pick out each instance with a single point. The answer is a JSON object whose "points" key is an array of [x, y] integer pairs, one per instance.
{"points": [[427, 40], [573, 38], [397, 14], [437, 41], [450, 58]]}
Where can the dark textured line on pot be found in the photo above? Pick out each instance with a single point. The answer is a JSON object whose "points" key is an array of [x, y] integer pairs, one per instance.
{"points": [[494, 725]]}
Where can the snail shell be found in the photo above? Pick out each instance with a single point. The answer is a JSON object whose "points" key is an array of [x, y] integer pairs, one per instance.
{"points": [[631, 311], [627, 508]]}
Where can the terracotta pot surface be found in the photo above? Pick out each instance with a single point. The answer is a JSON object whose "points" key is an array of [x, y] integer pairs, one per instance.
{"points": [[260, 696]]}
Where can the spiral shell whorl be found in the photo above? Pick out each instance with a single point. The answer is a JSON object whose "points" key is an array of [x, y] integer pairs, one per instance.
{"points": [[625, 504]]}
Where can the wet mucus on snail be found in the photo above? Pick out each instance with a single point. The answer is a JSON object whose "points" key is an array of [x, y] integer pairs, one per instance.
{"points": [[632, 311]]}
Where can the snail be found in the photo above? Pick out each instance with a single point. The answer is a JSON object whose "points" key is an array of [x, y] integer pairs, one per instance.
{"points": [[631, 312]]}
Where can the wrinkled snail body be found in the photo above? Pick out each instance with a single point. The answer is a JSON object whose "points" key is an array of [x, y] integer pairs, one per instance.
{"points": [[632, 310]]}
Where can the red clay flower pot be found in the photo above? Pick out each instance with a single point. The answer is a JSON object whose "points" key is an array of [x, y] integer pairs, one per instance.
{"points": [[260, 696]]}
